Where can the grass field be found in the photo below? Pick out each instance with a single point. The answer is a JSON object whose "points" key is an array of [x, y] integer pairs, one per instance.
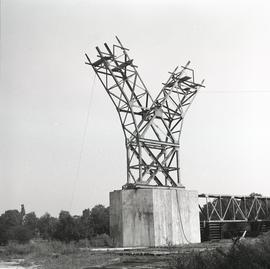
{"points": [[224, 254], [54, 254]]}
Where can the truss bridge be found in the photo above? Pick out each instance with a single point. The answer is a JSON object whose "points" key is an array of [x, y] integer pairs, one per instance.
{"points": [[220, 215]]}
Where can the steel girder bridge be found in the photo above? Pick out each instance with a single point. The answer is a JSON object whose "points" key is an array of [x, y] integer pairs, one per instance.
{"points": [[217, 212], [151, 127]]}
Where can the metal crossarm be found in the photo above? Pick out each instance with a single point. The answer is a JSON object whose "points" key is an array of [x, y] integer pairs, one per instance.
{"points": [[152, 128]]}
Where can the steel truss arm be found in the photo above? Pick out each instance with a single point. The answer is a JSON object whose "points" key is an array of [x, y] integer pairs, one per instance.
{"points": [[151, 128]]}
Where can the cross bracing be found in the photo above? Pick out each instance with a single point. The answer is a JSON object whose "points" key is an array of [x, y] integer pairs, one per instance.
{"points": [[151, 127]]}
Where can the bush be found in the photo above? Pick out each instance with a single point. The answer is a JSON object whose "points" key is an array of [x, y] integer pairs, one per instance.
{"points": [[22, 234], [83, 243], [102, 240], [15, 249], [63, 248], [240, 255], [40, 248]]}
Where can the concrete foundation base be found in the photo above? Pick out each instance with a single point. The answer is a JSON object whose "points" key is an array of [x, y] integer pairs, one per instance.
{"points": [[154, 217]]}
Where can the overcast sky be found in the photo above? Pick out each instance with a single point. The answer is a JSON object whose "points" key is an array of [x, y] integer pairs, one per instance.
{"points": [[46, 88]]}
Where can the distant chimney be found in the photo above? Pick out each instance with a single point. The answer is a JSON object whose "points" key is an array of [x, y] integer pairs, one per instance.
{"points": [[22, 210]]}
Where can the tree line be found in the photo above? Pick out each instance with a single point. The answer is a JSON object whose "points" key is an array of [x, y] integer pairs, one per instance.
{"points": [[22, 227]]}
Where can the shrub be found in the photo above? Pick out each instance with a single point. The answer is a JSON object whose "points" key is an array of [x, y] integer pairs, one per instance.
{"points": [[22, 234], [58, 247], [102, 240], [40, 248], [14, 249], [83, 243], [240, 255]]}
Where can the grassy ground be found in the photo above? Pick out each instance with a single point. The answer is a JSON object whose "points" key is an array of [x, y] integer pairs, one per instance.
{"points": [[54, 255], [249, 253]]}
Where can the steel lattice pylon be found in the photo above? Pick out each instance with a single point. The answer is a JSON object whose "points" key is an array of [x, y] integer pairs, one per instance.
{"points": [[152, 128]]}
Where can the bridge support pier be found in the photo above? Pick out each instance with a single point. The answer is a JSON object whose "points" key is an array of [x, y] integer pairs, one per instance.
{"points": [[154, 216]]}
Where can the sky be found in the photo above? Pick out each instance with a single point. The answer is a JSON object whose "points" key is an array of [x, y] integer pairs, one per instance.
{"points": [[52, 158]]}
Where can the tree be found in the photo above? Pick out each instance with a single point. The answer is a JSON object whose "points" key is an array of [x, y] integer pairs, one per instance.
{"points": [[11, 218], [46, 226], [66, 228], [255, 194], [85, 225], [100, 219], [3, 232], [30, 221]]}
